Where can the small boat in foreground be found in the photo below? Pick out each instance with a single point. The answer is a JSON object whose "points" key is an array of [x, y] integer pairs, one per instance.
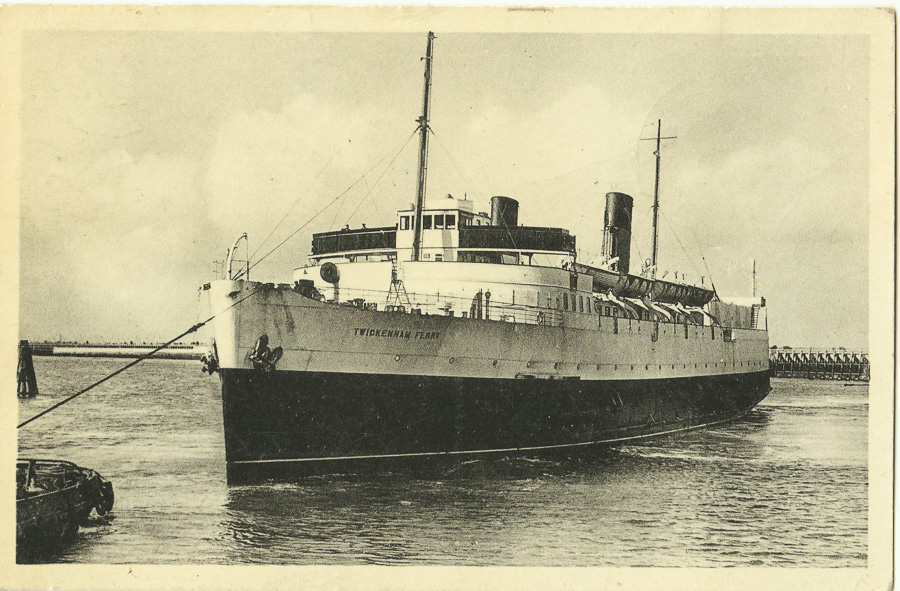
{"points": [[54, 497]]}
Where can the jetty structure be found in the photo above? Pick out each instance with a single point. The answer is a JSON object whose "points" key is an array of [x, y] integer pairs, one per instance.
{"points": [[123, 350], [453, 333], [820, 364]]}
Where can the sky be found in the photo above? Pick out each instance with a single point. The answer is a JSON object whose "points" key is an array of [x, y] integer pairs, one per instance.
{"points": [[145, 154]]}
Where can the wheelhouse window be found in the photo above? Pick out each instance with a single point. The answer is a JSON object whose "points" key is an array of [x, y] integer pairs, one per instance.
{"points": [[426, 222], [479, 257], [450, 221], [404, 222], [439, 222]]}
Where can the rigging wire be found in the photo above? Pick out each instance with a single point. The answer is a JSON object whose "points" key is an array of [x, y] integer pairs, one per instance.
{"points": [[472, 185], [459, 168], [340, 206], [635, 242], [291, 208], [672, 228], [337, 211], [375, 184], [307, 222], [135, 362], [708, 272], [711, 282]]}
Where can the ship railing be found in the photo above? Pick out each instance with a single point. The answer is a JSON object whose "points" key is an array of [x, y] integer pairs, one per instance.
{"points": [[450, 305], [490, 308]]}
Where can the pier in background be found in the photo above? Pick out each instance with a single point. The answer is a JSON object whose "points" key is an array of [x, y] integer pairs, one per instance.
{"points": [[820, 364], [785, 362], [125, 350]]}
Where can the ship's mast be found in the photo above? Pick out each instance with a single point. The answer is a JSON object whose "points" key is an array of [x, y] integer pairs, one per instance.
{"points": [[754, 277], [658, 139], [423, 154]]}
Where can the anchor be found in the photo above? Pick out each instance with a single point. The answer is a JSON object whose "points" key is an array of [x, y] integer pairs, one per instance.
{"points": [[264, 358]]}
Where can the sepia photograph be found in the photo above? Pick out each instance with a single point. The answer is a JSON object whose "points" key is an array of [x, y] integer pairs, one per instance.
{"points": [[592, 297]]}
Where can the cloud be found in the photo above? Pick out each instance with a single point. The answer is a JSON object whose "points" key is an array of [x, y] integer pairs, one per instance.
{"points": [[803, 214], [766, 190], [115, 243], [584, 126], [140, 172], [307, 153]]}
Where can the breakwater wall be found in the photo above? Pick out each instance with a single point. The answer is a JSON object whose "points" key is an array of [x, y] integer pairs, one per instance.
{"points": [[820, 364], [123, 350]]}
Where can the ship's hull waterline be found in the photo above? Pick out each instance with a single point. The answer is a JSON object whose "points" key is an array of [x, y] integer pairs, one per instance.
{"points": [[280, 423], [359, 388]]}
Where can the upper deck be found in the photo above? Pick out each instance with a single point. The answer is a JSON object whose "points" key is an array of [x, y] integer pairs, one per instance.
{"points": [[451, 231], [364, 264]]}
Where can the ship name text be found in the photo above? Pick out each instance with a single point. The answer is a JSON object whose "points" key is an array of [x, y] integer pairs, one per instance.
{"points": [[397, 333]]}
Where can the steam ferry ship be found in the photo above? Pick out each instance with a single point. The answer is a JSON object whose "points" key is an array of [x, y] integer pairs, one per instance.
{"points": [[457, 333]]}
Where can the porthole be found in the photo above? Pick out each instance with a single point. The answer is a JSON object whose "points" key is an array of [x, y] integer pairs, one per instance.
{"points": [[396, 358], [452, 359], [556, 365], [598, 367], [495, 363]]}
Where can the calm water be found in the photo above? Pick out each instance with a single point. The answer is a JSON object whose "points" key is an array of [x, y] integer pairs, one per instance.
{"points": [[787, 486]]}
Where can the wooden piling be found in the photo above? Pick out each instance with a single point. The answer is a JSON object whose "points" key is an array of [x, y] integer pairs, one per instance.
{"points": [[27, 382]]}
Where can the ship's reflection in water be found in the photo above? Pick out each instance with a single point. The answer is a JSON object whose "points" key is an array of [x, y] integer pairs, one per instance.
{"points": [[786, 485]]}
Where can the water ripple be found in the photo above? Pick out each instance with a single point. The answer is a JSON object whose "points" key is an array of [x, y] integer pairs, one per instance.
{"points": [[787, 486]]}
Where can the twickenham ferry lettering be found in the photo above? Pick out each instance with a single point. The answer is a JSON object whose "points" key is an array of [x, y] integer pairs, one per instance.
{"points": [[396, 333]]}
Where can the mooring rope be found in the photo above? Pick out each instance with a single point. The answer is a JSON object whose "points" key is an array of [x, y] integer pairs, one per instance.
{"points": [[135, 362]]}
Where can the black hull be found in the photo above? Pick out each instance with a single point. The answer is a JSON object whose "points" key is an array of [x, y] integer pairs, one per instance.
{"points": [[292, 423]]}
